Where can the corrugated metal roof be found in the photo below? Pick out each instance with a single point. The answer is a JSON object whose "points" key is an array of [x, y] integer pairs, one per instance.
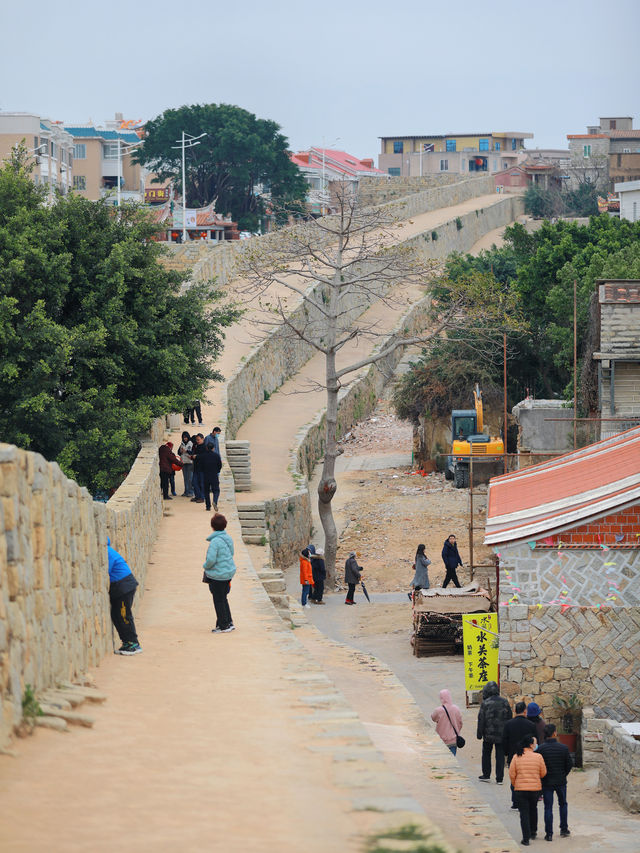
{"points": [[565, 492]]}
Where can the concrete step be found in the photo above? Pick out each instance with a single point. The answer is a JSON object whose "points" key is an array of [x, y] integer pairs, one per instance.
{"points": [[250, 514], [251, 507], [274, 586], [242, 488], [251, 539]]}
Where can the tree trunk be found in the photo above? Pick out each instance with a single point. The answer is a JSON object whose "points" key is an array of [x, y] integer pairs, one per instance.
{"points": [[327, 485]]}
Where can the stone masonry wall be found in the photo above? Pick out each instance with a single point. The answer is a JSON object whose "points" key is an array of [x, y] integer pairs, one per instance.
{"points": [[605, 744], [54, 605], [372, 191], [278, 357]]}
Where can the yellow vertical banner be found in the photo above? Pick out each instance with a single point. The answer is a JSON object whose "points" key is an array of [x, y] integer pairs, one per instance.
{"points": [[480, 640]]}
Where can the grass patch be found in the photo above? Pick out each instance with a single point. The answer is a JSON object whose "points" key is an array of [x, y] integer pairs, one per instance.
{"points": [[409, 832]]}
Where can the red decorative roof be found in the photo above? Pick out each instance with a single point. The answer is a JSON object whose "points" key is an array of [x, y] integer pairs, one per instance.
{"points": [[568, 491], [335, 161]]}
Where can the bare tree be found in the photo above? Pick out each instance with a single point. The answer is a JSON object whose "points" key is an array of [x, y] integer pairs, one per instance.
{"points": [[337, 267]]}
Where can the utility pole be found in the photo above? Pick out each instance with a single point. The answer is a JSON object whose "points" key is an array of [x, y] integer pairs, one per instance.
{"points": [[575, 364], [186, 141]]}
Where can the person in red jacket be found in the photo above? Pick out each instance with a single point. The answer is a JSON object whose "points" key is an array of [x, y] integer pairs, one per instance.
{"points": [[306, 576], [167, 460]]}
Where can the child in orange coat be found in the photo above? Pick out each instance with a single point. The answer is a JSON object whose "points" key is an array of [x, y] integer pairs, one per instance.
{"points": [[306, 576]]}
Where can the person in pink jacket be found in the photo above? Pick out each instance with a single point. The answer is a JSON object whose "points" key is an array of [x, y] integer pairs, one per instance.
{"points": [[447, 726]]}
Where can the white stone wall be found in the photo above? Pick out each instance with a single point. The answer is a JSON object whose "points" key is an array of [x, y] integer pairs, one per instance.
{"points": [[605, 744]]}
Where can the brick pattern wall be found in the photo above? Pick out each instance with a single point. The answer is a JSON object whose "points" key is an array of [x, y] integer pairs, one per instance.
{"points": [[603, 531]]}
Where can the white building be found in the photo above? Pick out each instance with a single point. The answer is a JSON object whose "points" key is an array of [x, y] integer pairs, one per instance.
{"points": [[629, 195], [48, 143]]}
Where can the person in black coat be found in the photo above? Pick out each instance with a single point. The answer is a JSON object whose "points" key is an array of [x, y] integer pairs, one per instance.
{"points": [[319, 571], [492, 716], [209, 464], [514, 730], [451, 559], [559, 764]]}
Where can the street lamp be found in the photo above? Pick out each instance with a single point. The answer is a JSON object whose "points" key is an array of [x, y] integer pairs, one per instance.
{"points": [[187, 141]]}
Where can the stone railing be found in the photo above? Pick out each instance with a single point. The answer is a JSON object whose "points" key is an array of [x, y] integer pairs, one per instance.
{"points": [[54, 604], [606, 744]]}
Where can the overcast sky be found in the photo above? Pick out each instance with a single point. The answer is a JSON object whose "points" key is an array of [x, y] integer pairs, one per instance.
{"points": [[343, 69]]}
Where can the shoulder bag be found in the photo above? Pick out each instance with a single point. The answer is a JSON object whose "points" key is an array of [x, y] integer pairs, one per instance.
{"points": [[460, 741]]}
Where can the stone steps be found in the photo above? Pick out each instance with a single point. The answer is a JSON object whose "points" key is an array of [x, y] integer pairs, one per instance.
{"points": [[239, 459]]}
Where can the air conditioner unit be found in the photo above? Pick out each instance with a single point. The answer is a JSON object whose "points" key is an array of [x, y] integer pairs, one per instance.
{"points": [[626, 151]]}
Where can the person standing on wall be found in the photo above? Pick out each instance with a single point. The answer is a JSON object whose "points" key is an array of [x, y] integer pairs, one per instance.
{"points": [[451, 559], [198, 476], [352, 576], [526, 771], [167, 459], [219, 567], [514, 730], [319, 572], [122, 589], [492, 716], [209, 463], [559, 764], [213, 439], [185, 454]]}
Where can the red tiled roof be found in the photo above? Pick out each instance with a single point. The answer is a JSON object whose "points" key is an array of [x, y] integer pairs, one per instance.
{"points": [[336, 161], [566, 491]]}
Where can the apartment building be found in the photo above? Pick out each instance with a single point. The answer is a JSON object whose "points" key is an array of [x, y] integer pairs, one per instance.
{"points": [[103, 159], [460, 153], [608, 153], [48, 143]]}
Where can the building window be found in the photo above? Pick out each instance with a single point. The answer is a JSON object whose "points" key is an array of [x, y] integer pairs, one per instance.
{"points": [[35, 144], [394, 171], [79, 182], [483, 145], [514, 144], [497, 146], [398, 147], [110, 151], [612, 125], [444, 165], [80, 151], [586, 151], [53, 149], [451, 144]]}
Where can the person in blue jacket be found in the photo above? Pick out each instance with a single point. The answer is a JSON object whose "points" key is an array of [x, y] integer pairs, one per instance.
{"points": [[219, 568], [122, 588]]}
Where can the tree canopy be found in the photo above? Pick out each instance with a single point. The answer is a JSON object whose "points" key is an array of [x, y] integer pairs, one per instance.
{"points": [[239, 155], [96, 338]]}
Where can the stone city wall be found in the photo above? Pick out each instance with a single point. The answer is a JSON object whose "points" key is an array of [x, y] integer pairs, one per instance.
{"points": [[280, 356], [220, 261], [605, 744], [373, 191], [54, 604]]}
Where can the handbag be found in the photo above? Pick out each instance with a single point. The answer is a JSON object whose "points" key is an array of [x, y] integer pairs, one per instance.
{"points": [[460, 741]]}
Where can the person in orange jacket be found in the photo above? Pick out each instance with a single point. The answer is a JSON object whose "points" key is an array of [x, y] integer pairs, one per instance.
{"points": [[306, 576], [526, 771]]}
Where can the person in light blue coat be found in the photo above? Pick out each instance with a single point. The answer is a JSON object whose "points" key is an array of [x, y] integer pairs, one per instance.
{"points": [[219, 568]]}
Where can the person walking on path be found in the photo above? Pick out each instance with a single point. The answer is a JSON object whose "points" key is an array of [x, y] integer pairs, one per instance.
{"points": [[198, 477], [209, 464], [319, 572], [219, 568], [557, 759], [306, 576], [534, 715], [167, 460], [448, 720], [352, 576], [526, 772], [451, 559], [492, 716], [213, 439], [185, 454], [514, 730], [122, 588], [421, 565]]}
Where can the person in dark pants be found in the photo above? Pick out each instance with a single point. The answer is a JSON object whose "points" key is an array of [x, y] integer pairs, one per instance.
{"points": [[514, 730], [209, 463], [122, 588], [557, 759], [492, 716], [526, 771], [198, 476], [198, 411], [451, 559], [219, 568], [352, 575], [167, 460], [319, 572]]}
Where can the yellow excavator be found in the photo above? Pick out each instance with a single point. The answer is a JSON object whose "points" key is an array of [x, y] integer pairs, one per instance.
{"points": [[468, 440]]}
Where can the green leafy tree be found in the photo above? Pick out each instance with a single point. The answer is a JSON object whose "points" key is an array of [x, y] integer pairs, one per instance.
{"points": [[96, 337], [239, 154]]}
